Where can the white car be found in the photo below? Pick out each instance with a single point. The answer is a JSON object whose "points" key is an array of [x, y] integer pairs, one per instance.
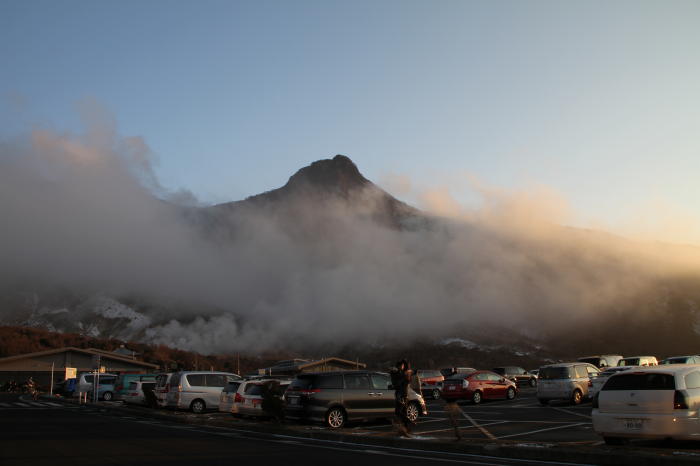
{"points": [[565, 381], [638, 361], [653, 403], [598, 382], [134, 394]]}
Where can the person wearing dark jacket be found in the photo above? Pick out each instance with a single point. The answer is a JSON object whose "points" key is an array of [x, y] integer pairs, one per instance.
{"points": [[401, 380]]}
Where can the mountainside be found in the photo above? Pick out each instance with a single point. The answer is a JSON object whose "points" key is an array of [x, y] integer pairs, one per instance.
{"points": [[329, 263]]}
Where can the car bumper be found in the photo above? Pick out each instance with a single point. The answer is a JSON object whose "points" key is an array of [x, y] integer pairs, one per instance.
{"points": [[680, 426]]}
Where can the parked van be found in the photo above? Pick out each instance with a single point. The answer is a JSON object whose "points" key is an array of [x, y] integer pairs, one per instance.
{"points": [[121, 386], [135, 393], [105, 385], [652, 402], [197, 390], [336, 397], [603, 360], [565, 381], [162, 388]]}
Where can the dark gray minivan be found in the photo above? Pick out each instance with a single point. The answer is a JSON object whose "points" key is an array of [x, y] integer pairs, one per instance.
{"points": [[336, 397]]}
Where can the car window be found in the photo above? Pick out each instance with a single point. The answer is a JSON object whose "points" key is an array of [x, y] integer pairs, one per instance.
{"points": [[302, 382], [380, 381], [196, 380], [232, 378], [493, 377], [648, 381], [592, 372], [175, 379], [215, 380], [330, 381], [88, 378], [232, 387], [132, 386], [580, 372], [356, 381], [482, 376], [253, 389], [692, 380], [553, 373], [106, 380]]}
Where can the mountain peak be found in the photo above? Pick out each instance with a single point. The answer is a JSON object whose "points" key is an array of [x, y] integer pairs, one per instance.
{"points": [[338, 174]]}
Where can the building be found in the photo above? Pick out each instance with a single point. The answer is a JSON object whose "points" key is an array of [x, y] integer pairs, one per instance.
{"points": [[38, 365], [293, 367]]}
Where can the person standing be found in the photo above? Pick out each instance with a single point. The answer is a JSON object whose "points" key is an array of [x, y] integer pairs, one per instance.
{"points": [[401, 380]]}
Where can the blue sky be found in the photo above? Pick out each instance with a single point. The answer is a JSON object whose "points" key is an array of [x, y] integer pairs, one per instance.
{"points": [[599, 101]]}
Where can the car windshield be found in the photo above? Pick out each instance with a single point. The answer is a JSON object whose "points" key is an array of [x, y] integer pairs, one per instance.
{"points": [[628, 362], [549, 373], [644, 381]]}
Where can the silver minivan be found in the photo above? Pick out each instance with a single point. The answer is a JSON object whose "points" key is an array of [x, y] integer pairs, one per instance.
{"points": [[565, 381], [197, 390]]}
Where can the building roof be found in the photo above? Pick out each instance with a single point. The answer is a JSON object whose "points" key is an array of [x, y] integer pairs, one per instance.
{"points": [[88, 351], [298, 365]]}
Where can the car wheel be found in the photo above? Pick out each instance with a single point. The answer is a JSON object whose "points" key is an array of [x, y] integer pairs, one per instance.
{"points": [[533, 382], [543, 402], [614, 440], [107, 396], [510, 394], [476, 398], [335, 418], [412, 411], [198, 406], [436, 394], [577, 397]]}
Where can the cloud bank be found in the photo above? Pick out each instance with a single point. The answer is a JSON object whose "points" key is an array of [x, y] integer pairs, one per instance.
{"points": [[86, 213]]}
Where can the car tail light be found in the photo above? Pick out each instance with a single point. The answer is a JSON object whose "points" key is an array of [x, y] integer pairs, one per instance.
{"points": [[310, 391], [465, 383], [590, 382], [680, 400], [238, 398]]}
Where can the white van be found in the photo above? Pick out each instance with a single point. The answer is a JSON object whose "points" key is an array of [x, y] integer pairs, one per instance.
{"points": [[655, 403], [197, 390]]}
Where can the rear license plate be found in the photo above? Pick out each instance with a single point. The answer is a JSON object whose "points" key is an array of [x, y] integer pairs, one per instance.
{"points": [[293, 400], [633, 424], [451, 387]]}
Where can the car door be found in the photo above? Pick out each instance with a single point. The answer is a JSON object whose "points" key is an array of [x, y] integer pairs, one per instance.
{"points": [[382, 401], [215, 383], [497, 386], [356, 395]]}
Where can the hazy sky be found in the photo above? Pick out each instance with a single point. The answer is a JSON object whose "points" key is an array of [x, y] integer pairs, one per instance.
{"points": [[598, 101]]}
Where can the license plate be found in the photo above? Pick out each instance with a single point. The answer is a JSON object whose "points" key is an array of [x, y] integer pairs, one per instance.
{"points": [[451, 387], [633, 424], [293, 401], [248, 402]]}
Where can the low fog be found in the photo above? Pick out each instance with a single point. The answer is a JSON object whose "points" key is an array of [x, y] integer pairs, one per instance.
{"points": [[86, 213]]}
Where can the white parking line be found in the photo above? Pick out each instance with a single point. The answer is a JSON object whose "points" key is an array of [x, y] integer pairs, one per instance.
{"points": [[570, 412], [452, 428], [543, 430], [475, 424]]}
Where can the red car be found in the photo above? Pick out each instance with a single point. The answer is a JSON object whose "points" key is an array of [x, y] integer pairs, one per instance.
{"points": [[431, 383], [478, 386]]}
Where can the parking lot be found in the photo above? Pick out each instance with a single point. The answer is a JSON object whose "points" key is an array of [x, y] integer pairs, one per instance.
{"points": [[523, 419]]}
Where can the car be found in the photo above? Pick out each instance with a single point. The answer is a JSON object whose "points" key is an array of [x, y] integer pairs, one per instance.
{"points": [[638, 361], [431, 382], [659, 402], [450, 371], [228, 396], [122, 384], [248, 398], [197, 391], [694, 359], [478, 386], [135, 391], [534, 372], [162, 388], [335, 398], [598, 382], [602, 361], [565, 381], [105, 385], [517, 374]]}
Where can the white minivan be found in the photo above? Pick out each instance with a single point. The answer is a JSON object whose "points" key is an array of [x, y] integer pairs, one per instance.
{"points": [[655, 403], [197, 390]]}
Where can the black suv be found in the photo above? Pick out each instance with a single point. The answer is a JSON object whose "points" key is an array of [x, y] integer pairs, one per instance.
{"points": [[517, 374], [336, 397]]}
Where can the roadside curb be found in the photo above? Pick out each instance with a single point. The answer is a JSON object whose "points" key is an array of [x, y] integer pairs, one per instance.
{"points": [[601, 455]]}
